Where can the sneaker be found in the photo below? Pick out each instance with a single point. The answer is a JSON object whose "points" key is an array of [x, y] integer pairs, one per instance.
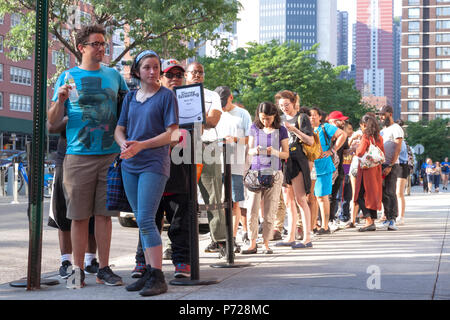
{"points": [[237, 248], [138, 270], [384, 225], [212, 247], [92, 268], [182, 270], [106, 276], [322, 231], [392, 226], [277, 235], [167, 255], [76, 279], [66, 269], [222, 251]]}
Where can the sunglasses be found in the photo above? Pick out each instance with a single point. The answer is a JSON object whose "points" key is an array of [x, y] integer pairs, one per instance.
{"points": [[173, 75]]}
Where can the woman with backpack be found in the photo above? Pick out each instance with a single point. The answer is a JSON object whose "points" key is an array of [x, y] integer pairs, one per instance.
{"points": [[297, 176]]}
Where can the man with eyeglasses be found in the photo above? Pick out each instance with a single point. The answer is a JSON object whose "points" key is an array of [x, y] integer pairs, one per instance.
{"points": [[210, 182], [92, 117]]}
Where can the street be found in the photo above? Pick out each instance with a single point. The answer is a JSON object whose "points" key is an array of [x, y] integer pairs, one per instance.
{"points": [[412, 263]]}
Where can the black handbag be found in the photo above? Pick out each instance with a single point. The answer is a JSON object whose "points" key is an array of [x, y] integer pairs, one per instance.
{"points": [[256, 180], [116, 198]]}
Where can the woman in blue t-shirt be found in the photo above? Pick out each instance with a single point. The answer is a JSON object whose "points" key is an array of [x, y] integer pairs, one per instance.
{"points": [[144, 132], [268, 142], [324, 165], [445, 173]]}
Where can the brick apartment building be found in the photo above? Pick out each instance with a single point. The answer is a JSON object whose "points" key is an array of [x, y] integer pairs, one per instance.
{"points": [[17, 81], [425, 60]]}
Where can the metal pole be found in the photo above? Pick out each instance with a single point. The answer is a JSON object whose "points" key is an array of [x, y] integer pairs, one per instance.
{"points": [[37, 155]]}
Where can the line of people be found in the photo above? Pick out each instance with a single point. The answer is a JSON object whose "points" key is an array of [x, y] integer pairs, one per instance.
{"points": [[145, 132]]}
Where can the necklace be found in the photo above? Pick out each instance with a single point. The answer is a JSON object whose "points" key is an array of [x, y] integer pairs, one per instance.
{"points": [[142, 96]]}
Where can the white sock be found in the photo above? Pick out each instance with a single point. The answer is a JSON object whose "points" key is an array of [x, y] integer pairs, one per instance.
{"points": [[66, 257], [88, 257]]}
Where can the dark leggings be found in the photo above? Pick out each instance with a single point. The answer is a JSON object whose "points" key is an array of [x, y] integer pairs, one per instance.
{"points": [[362, 204]]}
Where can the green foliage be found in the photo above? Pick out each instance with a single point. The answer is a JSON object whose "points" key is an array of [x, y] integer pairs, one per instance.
{"points": [[257, 73], [433, 135], [166, 26]]}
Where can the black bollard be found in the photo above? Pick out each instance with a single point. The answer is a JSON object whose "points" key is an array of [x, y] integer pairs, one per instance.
{"points": [[228, 215]]}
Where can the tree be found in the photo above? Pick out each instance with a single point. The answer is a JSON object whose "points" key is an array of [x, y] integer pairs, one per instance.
{"points": [[166, 26], [257, 73], [433, 135]]}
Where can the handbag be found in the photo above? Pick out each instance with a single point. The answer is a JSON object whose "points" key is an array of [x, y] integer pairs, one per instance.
{"points": [[314, 151], [373, 157], [257, 180], [116, 198]]}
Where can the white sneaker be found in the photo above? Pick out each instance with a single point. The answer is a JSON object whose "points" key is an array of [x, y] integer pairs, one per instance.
{"points": [[384, 225], [392, 226]]}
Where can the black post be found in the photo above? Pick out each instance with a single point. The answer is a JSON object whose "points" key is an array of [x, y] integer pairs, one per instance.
{"points": [[228, 214], [193, 227]]}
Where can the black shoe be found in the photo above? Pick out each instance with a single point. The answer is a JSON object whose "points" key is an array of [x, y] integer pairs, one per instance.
{"points": [[155, 284], [237, 248], [222, 250], [277, 236], [250, 251], [368, 228], [66, 269], [322, 231], [167, 255], [139, 284], [212, 247], [106, 276], [92, 268]]}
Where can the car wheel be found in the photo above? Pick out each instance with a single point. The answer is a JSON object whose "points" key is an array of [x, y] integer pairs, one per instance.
{"points": [[128, 222]]}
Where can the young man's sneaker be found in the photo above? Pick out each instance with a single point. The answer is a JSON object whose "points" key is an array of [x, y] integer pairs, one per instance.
{"points": [[66, 269], [212, 247], [106, 276], [182, 270], [92, 268], [384, 225], [138, 270], [392, 226], [167, 255], [76, 279]]}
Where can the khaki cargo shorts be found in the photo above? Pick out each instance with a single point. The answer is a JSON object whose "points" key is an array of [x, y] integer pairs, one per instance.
{"points": [[84, 181]]}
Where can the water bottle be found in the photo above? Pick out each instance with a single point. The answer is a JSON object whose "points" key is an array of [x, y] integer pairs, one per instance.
{"points": [[73, 93]]}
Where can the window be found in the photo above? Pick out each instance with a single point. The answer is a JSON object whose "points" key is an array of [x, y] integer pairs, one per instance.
{"points": [[414, 26], [443, 24], [443, 116], [442, 92], [1, 18], [444, 77], [15, 19], [443, 51], [443, 11], [1, 43], [413, 105], [442, 37], [1, 72], [1, 100], [413, 92], [442, 64], [413, 65], [442, 104], [20, 76], [413, 2], [413, 39], [413, 13], [20, 103], [413, 117], [413, 78], [413, 52], [60, 58]]}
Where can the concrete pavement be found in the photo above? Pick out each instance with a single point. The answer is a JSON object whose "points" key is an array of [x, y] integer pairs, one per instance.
{"points": [[412, 263]]}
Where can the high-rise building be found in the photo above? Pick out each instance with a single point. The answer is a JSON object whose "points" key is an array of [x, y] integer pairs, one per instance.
{"points": [[425, 60], [342, 38], [374, 48], [397, 35], [303, 21]]}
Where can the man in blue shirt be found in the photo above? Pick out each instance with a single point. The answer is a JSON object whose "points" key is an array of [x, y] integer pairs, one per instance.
{"points": [[445, 173], [89, 93]]}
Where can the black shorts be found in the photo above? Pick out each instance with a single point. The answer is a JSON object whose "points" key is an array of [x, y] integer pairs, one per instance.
{"points": [[58, 210], [403, 171]]}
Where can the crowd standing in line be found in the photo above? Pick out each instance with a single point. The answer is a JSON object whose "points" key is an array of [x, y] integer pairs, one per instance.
{"points": [[344, 177]]}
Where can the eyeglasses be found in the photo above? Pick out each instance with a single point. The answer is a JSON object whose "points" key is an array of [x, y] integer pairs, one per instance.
{"points": [[197, 73], [169, 75], [284, 105], [95, 44]]}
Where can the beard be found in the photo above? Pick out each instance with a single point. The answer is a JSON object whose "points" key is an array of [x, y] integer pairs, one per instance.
{"points": [[386, 122]]}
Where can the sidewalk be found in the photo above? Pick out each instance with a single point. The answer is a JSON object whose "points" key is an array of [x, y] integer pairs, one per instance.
{"points": [[412, 263]]}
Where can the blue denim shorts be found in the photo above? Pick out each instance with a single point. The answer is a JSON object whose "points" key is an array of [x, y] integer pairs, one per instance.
{"points": [[237, 186]]}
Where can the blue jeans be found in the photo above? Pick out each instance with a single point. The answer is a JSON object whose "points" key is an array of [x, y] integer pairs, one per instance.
{"points": [[144, 192]]}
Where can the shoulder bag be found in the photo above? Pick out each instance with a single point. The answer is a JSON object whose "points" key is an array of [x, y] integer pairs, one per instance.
{"points": [[312, 152], [116, 198], [373, 157]]}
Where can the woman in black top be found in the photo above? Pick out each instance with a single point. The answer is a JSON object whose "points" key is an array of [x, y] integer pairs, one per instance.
{"points": [[297, 182]]}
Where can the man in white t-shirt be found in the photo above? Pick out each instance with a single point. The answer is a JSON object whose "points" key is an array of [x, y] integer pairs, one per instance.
{"points": [[210, 182], [234, 126], [392, 136]]}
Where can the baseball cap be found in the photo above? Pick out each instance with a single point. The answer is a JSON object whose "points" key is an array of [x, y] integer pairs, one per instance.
{"points": [[224, 92], [386, 109], [337, 115], [169, 64]]}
